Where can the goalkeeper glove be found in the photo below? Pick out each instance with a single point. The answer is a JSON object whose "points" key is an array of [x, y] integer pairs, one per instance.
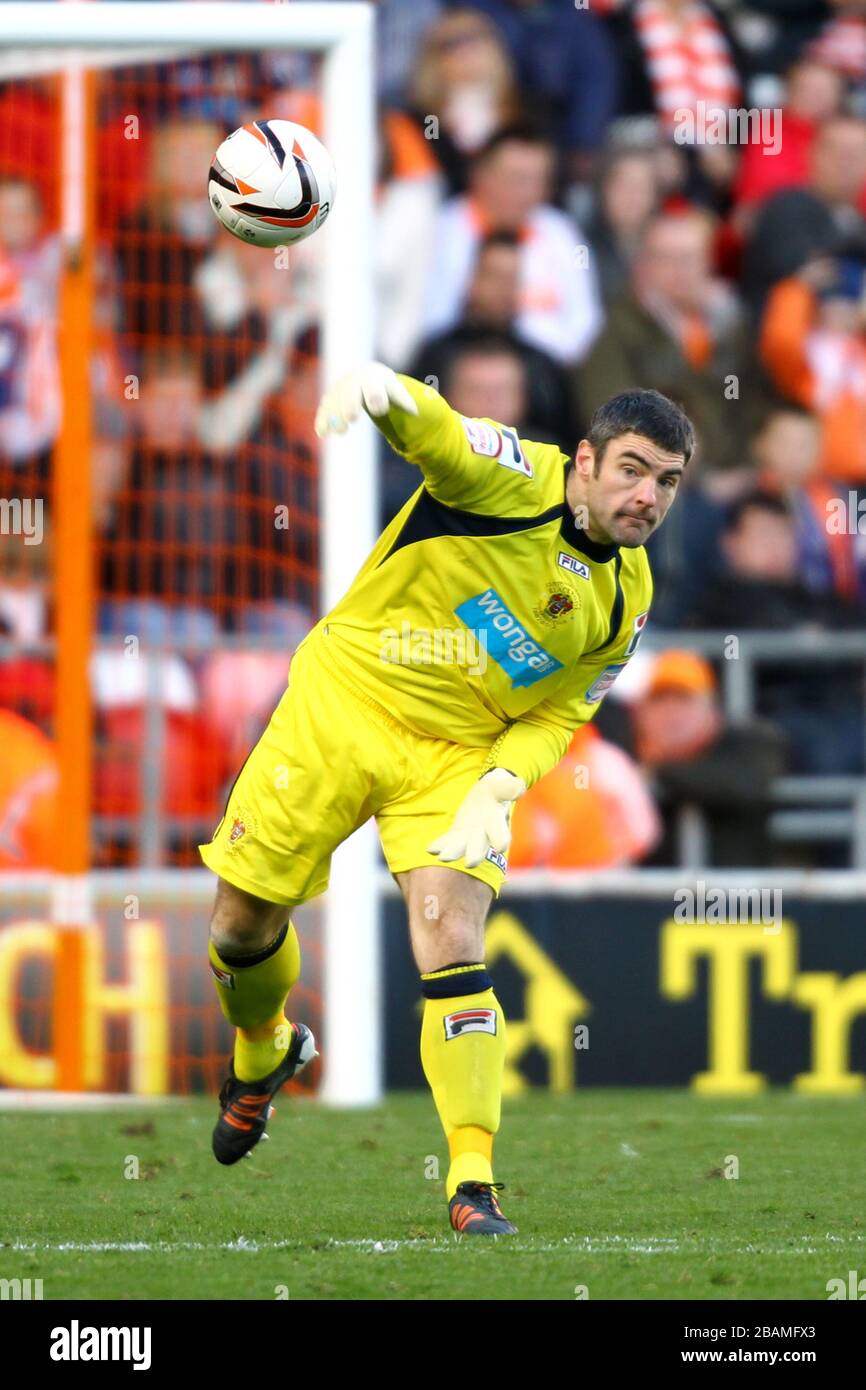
{"points": [[481, 822], [373, 386]]}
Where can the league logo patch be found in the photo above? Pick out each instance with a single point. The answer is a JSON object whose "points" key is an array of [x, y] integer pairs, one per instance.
{"points": [[502, 445], [636, 632], [601, 685], [469, 1021], [483, 438]]}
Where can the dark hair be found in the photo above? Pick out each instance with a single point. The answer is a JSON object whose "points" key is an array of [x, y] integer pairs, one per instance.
{"points": [[755, 501], [518, 132], [642, 412], [503, 238], [781, 405], [483, 342]]}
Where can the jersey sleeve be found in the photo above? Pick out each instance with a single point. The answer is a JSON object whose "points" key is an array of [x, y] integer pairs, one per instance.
{"points": [[533, 745], [466, 463]]}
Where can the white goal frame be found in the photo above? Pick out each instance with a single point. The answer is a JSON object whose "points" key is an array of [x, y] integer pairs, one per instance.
{"points": [[342, 33]]}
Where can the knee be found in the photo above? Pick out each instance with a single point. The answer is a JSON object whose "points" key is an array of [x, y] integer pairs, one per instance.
{"points": [[459, 934], [242, 923]]}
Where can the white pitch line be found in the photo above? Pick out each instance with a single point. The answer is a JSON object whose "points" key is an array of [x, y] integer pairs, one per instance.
{"points": [[584, 1245]]}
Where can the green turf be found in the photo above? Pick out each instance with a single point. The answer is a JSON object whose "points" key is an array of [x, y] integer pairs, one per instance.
{"points": [[619, 1191]]}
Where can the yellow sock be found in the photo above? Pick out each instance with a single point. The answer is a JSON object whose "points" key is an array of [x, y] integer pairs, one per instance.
{"points": [[252, 991], [471, 1151], [463, 1055], [259, 1050]]}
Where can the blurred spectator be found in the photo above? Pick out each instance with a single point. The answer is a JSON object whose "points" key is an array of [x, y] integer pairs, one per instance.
{"points": [[399, 30], [791, 25], [813, 342], [463, 90], [677, 329], [491, 307], [680, 63], [593, 811], [674, 54], [488, 380], [820, 706], [565, 58], [29, 369], [842, 41], [824, 218], [408, 197], [787, 452], [25, 575], [161, 246], [485, 376], [627, 196], [510, 185], [199, 532], [29, 783], [252, 309], [814, 93], [698, 759]]}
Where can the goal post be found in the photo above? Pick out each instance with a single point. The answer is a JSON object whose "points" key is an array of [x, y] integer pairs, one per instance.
{"points": [[342, 35]]}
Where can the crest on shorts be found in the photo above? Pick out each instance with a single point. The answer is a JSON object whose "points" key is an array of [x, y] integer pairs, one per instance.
{"points": [[243, 825]]}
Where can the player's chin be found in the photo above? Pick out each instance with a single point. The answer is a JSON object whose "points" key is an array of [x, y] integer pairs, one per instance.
{"points": [[631, 531]]}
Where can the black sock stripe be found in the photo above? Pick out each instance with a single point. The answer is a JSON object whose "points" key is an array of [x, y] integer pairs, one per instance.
{"points": [[453, 986], [240, 962]]}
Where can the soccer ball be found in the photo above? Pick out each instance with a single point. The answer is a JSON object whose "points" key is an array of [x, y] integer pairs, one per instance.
{"points": [[272, 183]]}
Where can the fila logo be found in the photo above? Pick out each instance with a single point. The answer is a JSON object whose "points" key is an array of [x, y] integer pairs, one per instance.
{"points": [[498, 859], [568, 562], [470, 1021]]}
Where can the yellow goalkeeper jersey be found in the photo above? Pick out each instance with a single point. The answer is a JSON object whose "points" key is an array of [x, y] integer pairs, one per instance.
{"points": [[484, 615]]}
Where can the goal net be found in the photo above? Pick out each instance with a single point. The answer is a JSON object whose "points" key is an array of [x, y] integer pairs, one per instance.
{"points": [[170, 527]]}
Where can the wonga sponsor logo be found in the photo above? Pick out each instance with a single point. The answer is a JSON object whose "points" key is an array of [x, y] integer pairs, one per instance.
{"points": [[522, 659]]}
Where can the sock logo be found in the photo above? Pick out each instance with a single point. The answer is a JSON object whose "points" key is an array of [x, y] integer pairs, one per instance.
{"points": [[470, 1021], [224, 976]]}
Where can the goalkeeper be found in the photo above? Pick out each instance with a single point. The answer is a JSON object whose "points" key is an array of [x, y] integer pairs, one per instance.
{"points": [[491, 617]]}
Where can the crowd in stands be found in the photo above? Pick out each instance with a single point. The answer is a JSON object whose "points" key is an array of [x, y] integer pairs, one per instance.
{"points": [[558, 219]]}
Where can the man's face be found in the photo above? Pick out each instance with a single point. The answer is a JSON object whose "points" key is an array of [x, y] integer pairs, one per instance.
{"points": [[675, 261], [512, 182], [762, 546], [839, 161], [20, 217], [628, 494], [492, 294], [490, 385], [788, 447]]}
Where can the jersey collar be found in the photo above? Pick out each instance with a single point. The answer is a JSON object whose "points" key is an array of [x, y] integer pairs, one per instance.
{"points": [[577, 538]]}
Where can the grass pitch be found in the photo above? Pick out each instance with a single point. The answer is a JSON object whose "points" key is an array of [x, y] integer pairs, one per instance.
{"points": [[622, 1193]]}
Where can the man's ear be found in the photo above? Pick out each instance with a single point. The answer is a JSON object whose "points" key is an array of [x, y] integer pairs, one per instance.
{"points": [[584, 458]]}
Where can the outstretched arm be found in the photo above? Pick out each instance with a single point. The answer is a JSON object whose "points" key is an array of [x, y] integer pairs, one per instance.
{"points": [[420, 424]]}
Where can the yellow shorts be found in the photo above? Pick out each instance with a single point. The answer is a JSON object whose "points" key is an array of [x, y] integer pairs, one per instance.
{"points": [[330, 759]]}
